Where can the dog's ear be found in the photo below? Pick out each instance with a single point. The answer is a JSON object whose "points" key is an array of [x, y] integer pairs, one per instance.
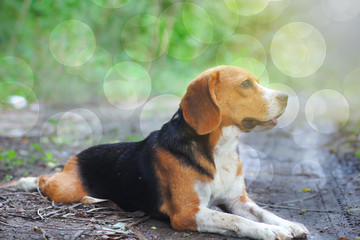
{"points": [[199, 104]]}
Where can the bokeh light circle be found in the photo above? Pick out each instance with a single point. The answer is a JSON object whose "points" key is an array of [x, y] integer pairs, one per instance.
{"points": [[72, 43], [351, 87], [163, 107], [293, 105], [273, 11], [77, 127], [308, 138], [19, 114], [298, 49], [352, 192], [254, 162], [200, 30], [255, 67], [111, 3], [95, 69], [127, 85], [245, 7], [17, 70], [311, 168], [298, 126], [313, 16], [241, 46], [344, 10], [222, 22], [253, 141], [327, 111], [171, 30], [13, 93], [143, 43]]}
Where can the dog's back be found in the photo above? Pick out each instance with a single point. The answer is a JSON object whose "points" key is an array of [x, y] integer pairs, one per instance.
{"points": [[123, 173]]}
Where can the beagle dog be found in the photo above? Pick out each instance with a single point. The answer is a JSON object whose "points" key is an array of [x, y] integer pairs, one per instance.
{"points": [[191, 164]]}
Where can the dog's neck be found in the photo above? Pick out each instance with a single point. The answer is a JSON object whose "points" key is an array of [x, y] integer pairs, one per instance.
{"points": [[178, 137], [227, 144], [229, 135]]}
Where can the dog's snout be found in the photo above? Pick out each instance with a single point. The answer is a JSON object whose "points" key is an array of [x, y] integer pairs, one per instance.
{"points": [[283, 98]]}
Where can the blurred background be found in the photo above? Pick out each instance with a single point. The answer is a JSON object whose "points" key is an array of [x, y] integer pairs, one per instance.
{"points": [[84, 72], [75, 73]]}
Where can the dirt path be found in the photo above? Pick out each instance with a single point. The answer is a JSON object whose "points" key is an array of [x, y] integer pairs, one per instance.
{"points": [[314, 181]]}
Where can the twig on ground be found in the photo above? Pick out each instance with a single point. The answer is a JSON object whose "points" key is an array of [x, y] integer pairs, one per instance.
{"points": [[137, 233], [78, 233], [298, 200], [297, 209], [45, 235], [38, 213], [20, 193], [56, 212], [97, 209], [10, 225], [141, 220], [130, 226], [112, 235], [40, 192], [17, 211]]}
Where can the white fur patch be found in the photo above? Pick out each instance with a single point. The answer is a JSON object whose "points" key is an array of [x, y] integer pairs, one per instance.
{"points": [[274, 107], [227, 188], [226, 185], [28, 184], [228, 224]]}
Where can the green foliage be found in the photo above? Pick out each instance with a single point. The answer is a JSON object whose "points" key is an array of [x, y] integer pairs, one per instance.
{"points": [[173, 42], [133, 138], [46, 156], [357, 154], [10, 158]]}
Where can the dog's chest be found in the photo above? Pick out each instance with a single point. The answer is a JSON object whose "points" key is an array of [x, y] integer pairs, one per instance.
{"points": [[228, 182]]}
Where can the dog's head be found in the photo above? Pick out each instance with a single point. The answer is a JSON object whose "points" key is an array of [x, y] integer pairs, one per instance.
{"points": [[228, 95]]}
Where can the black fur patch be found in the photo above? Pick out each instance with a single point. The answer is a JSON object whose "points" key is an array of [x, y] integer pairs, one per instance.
{"points": [[124, 172]]}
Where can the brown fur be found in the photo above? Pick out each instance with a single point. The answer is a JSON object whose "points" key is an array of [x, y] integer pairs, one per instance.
{"points": [[64, 186], [228, 92], [199, 105], [180, 201]]}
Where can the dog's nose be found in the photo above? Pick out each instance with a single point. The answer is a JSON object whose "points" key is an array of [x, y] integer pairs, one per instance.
{"points": [[282, 98]]}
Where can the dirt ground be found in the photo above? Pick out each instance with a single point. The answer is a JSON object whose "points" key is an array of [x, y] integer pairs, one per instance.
{"points": [[314, 181]]}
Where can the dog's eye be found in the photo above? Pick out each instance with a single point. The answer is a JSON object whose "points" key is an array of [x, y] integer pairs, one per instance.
{"points": [[246, 84]]}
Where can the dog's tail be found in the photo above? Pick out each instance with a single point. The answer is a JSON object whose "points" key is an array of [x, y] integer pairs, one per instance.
{"points": [[28, 184], [65, 186]]}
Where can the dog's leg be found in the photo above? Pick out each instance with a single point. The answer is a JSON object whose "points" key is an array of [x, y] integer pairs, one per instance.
{"points": [[209, 220], [248, 209]]}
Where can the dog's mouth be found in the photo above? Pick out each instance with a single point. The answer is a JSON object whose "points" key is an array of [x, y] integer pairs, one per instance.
{"points": [[250, 123]]}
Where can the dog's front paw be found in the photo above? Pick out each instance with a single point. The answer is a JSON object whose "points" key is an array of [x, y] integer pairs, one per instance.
{"points": [[272, 232], [298, 230]]}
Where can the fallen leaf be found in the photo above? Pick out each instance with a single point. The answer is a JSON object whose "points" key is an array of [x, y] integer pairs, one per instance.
{"points": [[342, 239], [303, 211], [119, 225], [153, 227], [333, 150], [110, 231], [306, 189], [353, 209]]}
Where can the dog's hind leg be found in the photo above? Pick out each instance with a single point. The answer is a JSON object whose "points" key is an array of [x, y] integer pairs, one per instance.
{"points": [[65, 186]]}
